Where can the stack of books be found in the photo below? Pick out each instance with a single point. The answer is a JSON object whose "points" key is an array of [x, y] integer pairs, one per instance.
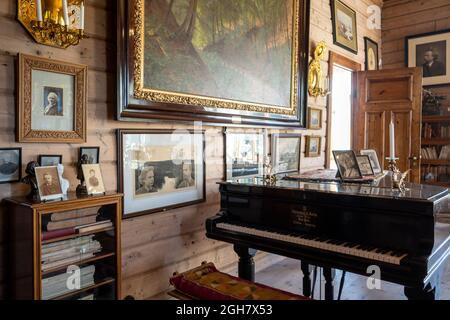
{"points": [[429, 153], [60, 284], [65, 252]]}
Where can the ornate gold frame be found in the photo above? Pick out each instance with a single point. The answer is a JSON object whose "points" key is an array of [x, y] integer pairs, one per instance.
{"points": [[25, 133], [310, 110], [308, 153], [142, 93]]}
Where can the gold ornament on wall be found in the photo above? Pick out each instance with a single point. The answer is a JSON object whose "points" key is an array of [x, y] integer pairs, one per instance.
{"points": [[57, 23], [318, 84]]}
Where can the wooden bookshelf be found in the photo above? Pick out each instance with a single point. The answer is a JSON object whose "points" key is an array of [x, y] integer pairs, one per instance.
{"points": [[434, 119], [102, 263], [437, 162]]}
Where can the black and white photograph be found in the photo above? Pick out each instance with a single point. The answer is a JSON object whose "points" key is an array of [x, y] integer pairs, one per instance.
{"points": [[53, 101], [160, 169], [93, 154], [431, 52], [48, 183], [46, 160], [244, 154], [364, 165], [10, 165], [93, 178], [347, 164], [373, 160], [286, 152]]}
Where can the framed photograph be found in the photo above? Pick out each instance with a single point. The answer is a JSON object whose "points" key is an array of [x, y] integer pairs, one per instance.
{"points": [[48, 183], [372, 54], [93, 154], [10, 165], [373, 160], [364, 165], [51, 101], [314, 118], [345, 33], [160, 169], [347, 164], [313, 147], [220, 62], [93, 178], [244, 155], [46, 160], [286, 150], [431, 51]]}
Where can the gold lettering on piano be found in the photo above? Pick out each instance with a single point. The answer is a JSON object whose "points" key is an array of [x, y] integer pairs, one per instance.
{"points": [[304, 217]]}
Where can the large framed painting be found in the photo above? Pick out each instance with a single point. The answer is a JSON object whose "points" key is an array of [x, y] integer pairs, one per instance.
{"points": [[160, 170], [51, 101], [430, 51], [221, 62]]}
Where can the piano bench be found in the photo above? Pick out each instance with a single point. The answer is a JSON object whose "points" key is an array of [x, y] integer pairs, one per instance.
{"points": [[207, 283]]}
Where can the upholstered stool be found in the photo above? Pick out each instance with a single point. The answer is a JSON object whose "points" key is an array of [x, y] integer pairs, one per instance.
{"points": [[207, 283]]}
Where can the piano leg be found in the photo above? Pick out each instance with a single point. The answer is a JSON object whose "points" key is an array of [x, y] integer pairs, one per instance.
{"points": [[306, 279], [246, 267], [329, 274]]}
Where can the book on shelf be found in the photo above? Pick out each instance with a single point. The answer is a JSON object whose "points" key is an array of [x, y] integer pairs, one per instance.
{"points": [[69, 223], [94, 226], [64, 244], [49, 235], [73, 214], [58, 285]]}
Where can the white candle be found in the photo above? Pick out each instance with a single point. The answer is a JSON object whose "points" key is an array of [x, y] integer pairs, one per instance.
{"points": [[82, 16], [39, 10], [65, 13], [392, 138]]}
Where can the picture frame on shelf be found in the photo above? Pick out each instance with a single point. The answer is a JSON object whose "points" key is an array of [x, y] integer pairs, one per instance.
{"points": [[10, 165], [94, 179], [46, 160], [48, 182], [315, 118], [347, 164], [373, 160], [371, 54], [52, 97], [93, 154], [313, 146], [160, 170], [285, 152], [365, 167], [345, 26]]}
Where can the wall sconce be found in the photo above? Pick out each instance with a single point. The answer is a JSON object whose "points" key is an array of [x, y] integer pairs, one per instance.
{"points": [[318, 85], [57, 23]]}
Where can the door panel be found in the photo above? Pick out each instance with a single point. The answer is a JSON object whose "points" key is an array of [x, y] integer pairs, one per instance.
{"points": [[383, 95]]}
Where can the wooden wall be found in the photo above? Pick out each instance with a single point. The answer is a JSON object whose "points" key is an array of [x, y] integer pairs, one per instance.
{"points": [[154, 246], [402, 18]]}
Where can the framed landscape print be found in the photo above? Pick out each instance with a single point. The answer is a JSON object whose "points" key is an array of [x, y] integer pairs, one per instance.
{"points": [[372, 58], [51, 101], [221, 62], [10, 165], [160, 170], [286, 150], [244, 154], [313, 147], [46, 160], [314, 118], [345, 33], [430, 51]]}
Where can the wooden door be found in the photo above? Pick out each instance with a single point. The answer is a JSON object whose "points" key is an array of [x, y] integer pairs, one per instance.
{"points": [[384, 95]]}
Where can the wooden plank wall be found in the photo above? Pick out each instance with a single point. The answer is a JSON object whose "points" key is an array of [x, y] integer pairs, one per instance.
{"points": [[402, 18], [154, 246]]}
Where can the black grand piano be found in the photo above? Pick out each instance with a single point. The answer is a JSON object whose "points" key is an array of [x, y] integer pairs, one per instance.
{"points": [[342, 226]]}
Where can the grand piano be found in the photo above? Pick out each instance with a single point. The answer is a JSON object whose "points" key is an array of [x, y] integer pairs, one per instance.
{"points": [[344, 226]]}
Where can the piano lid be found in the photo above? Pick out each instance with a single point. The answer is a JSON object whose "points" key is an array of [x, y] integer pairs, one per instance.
{"points": [[379, 189]]}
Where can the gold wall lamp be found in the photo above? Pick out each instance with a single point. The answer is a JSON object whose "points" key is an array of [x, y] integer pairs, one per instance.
{"points": [[57, 23], [318, 85]]}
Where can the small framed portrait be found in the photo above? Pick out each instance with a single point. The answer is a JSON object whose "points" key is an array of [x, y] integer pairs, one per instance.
{"points": [[51, 101], [372, 54], [160, 170], [286, 150], [364, 165], [345, 32], [373, 157], [314, 118], [347, 164], [313, 147], [48, 183], [244, 154], [93, 154], [93, 178], [46, 160], [10, 165], [430, 51]]}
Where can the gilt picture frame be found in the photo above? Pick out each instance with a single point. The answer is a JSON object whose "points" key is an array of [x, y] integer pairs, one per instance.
{"points": [[52, 97], [313, 146], [209, 91]]}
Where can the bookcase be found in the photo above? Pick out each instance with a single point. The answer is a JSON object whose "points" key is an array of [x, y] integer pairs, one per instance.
{"points": [[65, 250]]}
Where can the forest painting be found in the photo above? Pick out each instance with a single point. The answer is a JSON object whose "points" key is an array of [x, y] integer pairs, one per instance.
{"points": [[234, 50]]}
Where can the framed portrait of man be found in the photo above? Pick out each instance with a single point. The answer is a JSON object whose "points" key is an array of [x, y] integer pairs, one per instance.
{"points": [[48, 183], [430, 51], [160, 169], [51, 101]]}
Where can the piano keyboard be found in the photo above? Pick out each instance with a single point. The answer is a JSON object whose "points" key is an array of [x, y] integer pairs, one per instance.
{"points": [[352, 249]]}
